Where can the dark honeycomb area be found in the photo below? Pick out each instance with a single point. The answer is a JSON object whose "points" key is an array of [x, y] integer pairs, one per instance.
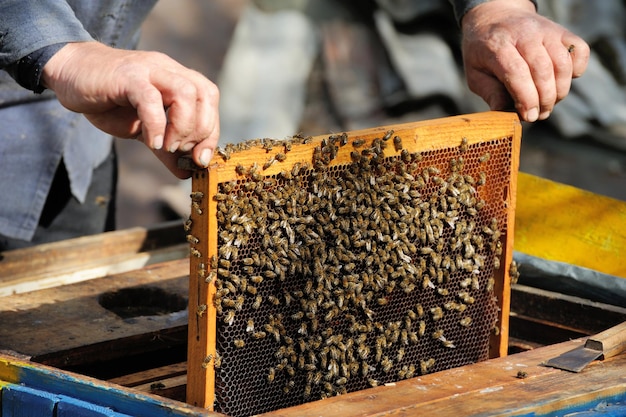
{"points": [[336, 278]]}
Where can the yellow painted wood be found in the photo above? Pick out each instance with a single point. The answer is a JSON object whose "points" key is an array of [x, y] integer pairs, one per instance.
{"points": [[562, 223], [9, 372]]}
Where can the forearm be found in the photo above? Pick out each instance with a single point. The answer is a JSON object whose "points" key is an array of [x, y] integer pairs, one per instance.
{"points": [[461, 7], [32, 31]]}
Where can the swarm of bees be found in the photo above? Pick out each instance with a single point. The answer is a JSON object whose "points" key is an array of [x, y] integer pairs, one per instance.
{"points": [[333, 278]]}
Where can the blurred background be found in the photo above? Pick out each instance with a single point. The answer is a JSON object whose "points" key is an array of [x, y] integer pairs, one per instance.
{"points": [[321, 66]]}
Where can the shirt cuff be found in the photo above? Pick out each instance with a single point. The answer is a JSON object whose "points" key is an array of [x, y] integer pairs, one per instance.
{"points": [[27, 70]]}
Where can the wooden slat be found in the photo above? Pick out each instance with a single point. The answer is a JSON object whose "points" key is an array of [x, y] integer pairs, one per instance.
{"points": [[173, 388], [71, 407], [16, 400], [486, 388], [566, 224], [586, 316], [150, 375], [74, 260], [202, 333]]}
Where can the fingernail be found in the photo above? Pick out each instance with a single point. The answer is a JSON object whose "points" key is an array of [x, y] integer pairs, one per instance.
{"points": [[173, 147], [532, 115], [205, 157], [187, 146], [544, 115], [158, 142]]}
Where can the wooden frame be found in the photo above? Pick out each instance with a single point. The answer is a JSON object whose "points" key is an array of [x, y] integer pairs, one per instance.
{"points": [[420, 136]]}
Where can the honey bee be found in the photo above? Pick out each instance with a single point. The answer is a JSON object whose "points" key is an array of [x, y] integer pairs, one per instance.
{"points": [[400, 355], [397, 143], [514, 272], [386, 364], [280, 157], [187, 225], [195, 252], [437, 313], [206, 361], [259, 335], [224, 153], [239, 343], [426, 365], [484, 158], [271, 375], [192, 239], [229, 317], [490, 284], [464, 145], [357, 143], [465, 321], [257, 302], [210, 277], [201, 309]]}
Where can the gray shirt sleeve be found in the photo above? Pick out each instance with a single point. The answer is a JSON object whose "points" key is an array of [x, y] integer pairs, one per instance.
{"points": [[31, 31], [463, 6]]}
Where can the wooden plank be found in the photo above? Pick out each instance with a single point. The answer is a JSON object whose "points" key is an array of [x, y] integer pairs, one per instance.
{"points": [[43, 324], [487, 388], [71, 407], [150, 375], [74, 260], [588, 317], [20, 401], [566, 224], [93, 391], [173, 388]]}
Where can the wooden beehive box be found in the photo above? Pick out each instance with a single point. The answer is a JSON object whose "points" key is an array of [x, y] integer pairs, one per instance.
{"points": [[330, 264]]}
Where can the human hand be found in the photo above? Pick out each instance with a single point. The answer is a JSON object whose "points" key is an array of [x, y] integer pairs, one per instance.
{"points": [[139, 94], [514, 56]]}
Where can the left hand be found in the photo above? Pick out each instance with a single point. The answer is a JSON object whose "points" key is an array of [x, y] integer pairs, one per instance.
{"points": [[514, 56]]}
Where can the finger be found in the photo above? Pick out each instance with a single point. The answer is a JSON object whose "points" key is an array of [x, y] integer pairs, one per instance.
{"points": [[563, 68], [148, 103], [203, 152], [578, 51], [179, 96], [541, 69], [207, 121], [512, 71]]}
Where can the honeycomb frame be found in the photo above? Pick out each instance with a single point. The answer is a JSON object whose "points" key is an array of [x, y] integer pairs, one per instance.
{"points": [[264, 338]]}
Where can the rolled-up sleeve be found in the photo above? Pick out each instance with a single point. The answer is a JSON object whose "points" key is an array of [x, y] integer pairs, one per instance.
{"points": [[31, 31], [30, 25]]}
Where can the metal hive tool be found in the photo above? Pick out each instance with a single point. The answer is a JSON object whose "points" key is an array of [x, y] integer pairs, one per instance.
{"points": [[326, 265]]}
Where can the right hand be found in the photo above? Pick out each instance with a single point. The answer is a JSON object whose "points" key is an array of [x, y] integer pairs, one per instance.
{"points": [[139, 94]]}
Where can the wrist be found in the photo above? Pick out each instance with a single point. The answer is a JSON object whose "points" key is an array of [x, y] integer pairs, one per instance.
{"points": [[495, 6], [55, 69]]}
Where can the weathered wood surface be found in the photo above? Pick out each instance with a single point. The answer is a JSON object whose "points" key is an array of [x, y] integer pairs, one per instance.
{"points": [[74, 260], [67, 325], [483, 389]]}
